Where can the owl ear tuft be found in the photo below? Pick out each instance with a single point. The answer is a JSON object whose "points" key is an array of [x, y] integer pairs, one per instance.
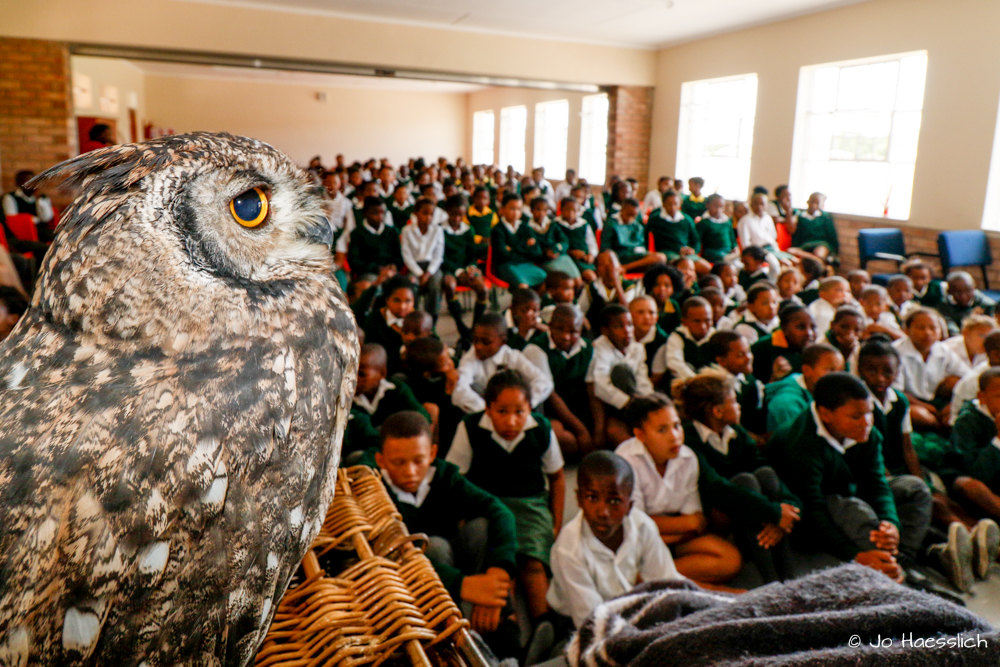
{"points": [[114, 167]]}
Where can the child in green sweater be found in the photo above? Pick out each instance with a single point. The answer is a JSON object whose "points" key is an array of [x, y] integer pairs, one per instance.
{"points": [[780, 354], [831, 458], [515, 249], [460, 267], [717, 233], [731, 353], [373, 244], [765, 510], [625, 234], [473, 543], [674, 232], [580, 235], [552, 239], [384, 325], [789, 397]]}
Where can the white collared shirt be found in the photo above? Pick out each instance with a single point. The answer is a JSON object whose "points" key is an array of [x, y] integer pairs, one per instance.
{"points": [[351, 225], [891, 398], [460, 453], [921, 378], [825, 434], [648, 336], [957, 345], [606, 355], [743, 327], [586, 573], [631, 292], [418, 247], [473, 374], [371, 406], [540, 228], [563, 190], [822, 312], [540, 358], [673, 492], [967, 389], [717, 442], [416, 499], [391, 319], [757, 230], [653, 201], [339, 209], [43, 205], [671, 355]]}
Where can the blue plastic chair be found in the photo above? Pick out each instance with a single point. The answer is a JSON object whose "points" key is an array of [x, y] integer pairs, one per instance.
{"points": [[967, 248], [883, 243]]}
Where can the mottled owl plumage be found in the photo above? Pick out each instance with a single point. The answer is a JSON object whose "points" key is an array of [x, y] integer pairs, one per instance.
{"points": [[171, 409]]}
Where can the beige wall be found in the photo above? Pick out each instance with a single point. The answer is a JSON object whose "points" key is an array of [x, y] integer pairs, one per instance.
{"points": [[123, 75], [496, 98], [358, 122], [960, 101], [239, 29]]}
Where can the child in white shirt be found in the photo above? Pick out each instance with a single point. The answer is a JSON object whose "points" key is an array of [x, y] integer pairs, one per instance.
{"points": [[833, 293]]}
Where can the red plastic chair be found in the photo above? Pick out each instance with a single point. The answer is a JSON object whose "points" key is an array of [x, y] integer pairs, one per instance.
{"points": [[784, 238], [22, 226], [491, 278], [3, 240]]}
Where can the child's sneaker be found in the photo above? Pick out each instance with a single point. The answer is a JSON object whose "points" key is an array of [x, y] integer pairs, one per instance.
{"points": [[985, 544], [955, 556]]}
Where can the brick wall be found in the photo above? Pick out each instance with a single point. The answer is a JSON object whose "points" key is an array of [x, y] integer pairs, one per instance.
{"points": [[36, 113], [630, 110]]}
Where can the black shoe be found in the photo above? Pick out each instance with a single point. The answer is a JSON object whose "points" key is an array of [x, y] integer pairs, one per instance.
{"points": [[918, 581]]}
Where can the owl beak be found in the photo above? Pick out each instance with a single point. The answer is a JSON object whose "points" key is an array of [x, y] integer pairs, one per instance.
{"points": [[318, 231]]}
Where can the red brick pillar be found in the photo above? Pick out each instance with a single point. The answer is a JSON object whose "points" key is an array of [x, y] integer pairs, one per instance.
{"points": [[630, 124], [36, 112]]}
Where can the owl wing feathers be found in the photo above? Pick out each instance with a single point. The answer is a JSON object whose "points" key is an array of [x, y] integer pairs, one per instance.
{"points": [[131, 499]]}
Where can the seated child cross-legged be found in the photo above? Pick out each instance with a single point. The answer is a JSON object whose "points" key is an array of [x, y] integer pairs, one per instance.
{"points": [[385, 325], [616, 375], [626, 235], [674, 232], [510, 452], [778, 355], [761, 316], [523, 321], [609, 546], [610, 287], [460, 266], [789, 397], [559, 289], [760, 510], [686, 350], [731, 353], [831, 459], [473, 543], [647, 331], [667, 475]]}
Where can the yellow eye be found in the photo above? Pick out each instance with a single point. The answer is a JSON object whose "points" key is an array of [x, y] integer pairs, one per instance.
{"points": [[250, 208]]}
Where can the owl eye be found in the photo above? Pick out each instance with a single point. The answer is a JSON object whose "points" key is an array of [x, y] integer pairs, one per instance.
{"points": [[250, 208]]}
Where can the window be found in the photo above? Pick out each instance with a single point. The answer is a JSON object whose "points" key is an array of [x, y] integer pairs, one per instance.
{"points": [[513, 123], [594, 139], [715, 134], [551, 132], [482, 137], [856, 131]]}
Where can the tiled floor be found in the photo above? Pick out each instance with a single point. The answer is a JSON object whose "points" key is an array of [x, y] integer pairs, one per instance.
{"points": [[983, 600]]}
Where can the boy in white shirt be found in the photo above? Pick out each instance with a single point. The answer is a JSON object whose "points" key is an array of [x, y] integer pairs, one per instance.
{"points": [[489, 354], [686, 351], [761, 316], [833, 293], [609, 546], [422, 246], [756, 228]]}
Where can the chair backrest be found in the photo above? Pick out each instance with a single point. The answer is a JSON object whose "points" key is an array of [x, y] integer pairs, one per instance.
{"points": [[882, 239], [3, 239], [22, 226], [964, 248]]}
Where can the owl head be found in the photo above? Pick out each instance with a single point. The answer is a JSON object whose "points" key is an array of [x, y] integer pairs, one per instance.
{"points": [[185, 234]]}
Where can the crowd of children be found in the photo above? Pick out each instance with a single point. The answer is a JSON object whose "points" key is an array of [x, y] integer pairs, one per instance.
{"points": [[724, 401]]}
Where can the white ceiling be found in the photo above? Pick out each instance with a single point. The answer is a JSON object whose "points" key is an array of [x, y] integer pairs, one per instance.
{"points": [[301, 78], [632, 23]]}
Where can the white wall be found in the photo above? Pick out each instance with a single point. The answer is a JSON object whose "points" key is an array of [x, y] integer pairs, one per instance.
{"points": [[128, 79]]}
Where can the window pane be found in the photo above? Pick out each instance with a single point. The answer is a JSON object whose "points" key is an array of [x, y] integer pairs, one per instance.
{"points": [[513, 123], [715, 134], [482, 137], [594, 139], [912, 74], [551, 128]]}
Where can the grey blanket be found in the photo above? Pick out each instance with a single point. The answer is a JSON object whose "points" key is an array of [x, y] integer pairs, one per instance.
{"points": [[849, 615]]}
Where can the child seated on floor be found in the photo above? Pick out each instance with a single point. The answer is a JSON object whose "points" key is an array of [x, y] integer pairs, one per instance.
{"points": [[647, 332], [716, 231], [963, 300], [384, 325], [552, 239], [879, 318], [845, 335], [901, 292], [761, 510], [460, 267], [789, 397], [718, 303], [830, 458], [687, 270], [610, 287], [967, 388], [813, 271], [666, 488], [524, 325], [729, 275], [789, 285], [968, 344], [754, 268], [472, 538], [625, 234], [858, 279], [516, 472], [559, 289], [761, 316], [564, 357], [582, 241], [731, 354], [686, 350], [515, 249], [373, 244], [661, 282], [418, 324], [779, 354], [617, 374], [609, 546], [928, 370], [833, 293], [430, 373], [674, 232], [927, 290], [481, 218], [489, 354]]}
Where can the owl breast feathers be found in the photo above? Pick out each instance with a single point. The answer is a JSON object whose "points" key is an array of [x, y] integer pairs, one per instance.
{"points": [[171, 408]]}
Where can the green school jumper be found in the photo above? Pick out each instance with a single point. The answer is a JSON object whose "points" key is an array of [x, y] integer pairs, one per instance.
{"points": [[743, 455], [513, 259], [659, 340], [591, 217], [785, 399], [670, 236], [451, 500], [576, 237], [516, 478], [953, 314], [746, 279], [482, 223], [569, 375], [670, 317], [890, 426], [400, 216], [627, 240], [554, 239], [972, 438], [368, 253], [459, 250], [396, 399], [718, 238], [933, 295], [813, 470], [814, 232], [377, 330], [597, 302], [516, 341], [359, 434], [753, 409], [769, 348], [743, 506], [693, 207]]}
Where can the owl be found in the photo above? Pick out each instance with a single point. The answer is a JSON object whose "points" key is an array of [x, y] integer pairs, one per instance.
{"points": [[171, 408]]}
